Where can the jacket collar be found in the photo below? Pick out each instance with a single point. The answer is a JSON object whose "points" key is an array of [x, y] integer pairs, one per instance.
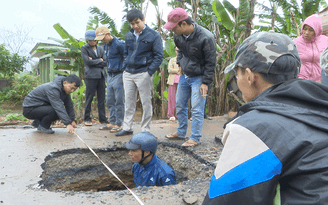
{"points": [[110, 43], [152, 162], [143, 30]]}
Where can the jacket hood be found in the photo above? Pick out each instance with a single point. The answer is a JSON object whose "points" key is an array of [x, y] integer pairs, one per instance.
{"points": [[315, 22], [300, 100], [59, 81]]}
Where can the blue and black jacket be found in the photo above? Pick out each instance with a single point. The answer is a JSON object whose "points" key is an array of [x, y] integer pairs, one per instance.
{"points": [[276, 150], [145, 53], [154, 173], [114, 52]]}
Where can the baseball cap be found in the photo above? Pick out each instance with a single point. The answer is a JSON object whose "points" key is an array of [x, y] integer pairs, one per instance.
{"points": [[101, 32], [174, 17], [259, 51]]}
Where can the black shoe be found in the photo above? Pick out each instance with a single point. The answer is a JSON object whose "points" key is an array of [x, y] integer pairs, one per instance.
{"points": [[123, 133], [45, 130], [35, 123]]}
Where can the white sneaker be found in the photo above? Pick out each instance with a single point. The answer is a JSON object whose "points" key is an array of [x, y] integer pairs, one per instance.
{"points": [[172, 119]]}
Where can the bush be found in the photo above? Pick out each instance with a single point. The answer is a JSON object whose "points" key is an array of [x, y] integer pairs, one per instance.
{"points": [[15, 116], [21, 85]]}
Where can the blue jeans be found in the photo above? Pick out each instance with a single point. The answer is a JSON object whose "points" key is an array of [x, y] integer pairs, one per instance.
{"points": [[115, 98], [190, 87]]}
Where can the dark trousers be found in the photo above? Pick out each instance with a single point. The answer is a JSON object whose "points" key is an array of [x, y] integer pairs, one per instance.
{"points": [[93, 86], [46, 115]]}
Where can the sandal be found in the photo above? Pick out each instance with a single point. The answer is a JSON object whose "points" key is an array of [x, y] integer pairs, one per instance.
{"points": [[88, 123], [189, 143], [115, 129], [107, 127], [174, 136]]}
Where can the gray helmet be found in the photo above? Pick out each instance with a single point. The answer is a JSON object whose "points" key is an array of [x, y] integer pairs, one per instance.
{"points": [[144, 141], [90, 35], [259, 51]]}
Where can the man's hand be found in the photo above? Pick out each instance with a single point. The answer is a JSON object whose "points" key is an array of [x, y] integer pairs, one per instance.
{"points": [[180, 72], [90, 58], [203, 90], [73, 124], [70, 129]]}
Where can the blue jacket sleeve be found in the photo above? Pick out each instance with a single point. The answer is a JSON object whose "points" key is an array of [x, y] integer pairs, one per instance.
{"points": [[158, 54]]}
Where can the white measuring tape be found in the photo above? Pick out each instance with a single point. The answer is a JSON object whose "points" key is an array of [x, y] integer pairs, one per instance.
{"points": [[111, 171]]}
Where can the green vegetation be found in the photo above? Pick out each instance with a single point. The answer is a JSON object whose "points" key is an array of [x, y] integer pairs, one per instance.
{"points": [[21, 85], [229, 24], [11, 63], [15, 116]]}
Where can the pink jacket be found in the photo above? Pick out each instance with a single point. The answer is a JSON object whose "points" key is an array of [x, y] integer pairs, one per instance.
{"points": [[310, 51]]}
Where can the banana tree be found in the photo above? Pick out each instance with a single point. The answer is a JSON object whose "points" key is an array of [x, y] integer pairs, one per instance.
{"points": [[232, 26], [68, 47], [292, 16]]}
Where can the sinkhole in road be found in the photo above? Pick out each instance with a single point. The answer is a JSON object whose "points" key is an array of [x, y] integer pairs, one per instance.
{"points": [[79, 170]]}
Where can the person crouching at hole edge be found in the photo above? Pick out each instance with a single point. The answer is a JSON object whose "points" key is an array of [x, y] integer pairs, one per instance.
{"points": [[148, 169]]}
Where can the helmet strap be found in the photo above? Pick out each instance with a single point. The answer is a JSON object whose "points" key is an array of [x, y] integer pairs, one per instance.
{"points": [[143, 157]]}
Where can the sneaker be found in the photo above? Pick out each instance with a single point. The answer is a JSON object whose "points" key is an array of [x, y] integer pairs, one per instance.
{"points": [[88, 123], [45, 130], [172, 119], [35, 123]]}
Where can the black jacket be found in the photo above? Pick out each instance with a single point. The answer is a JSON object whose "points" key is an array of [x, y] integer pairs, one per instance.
{"points": [[95, 68], [53, 94], [197, 53]]}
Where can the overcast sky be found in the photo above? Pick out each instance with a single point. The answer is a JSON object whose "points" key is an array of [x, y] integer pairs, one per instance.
{"points": [[39, 16]]}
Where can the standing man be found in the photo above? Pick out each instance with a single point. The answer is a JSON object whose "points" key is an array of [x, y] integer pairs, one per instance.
{"points": [[197, 59], [276, 148], [114, 50], [148, 169], [50, 102], [94, 73], [143, 54]]}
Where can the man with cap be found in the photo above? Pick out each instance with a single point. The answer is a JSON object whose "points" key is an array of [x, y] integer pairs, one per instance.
{"points": [[275, 148], [94, 74], [197, 59], [114, 50], [148, 169]]}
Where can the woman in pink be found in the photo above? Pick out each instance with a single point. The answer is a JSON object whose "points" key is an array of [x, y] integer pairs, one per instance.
{"points": [[310, 45], [172, 81]]}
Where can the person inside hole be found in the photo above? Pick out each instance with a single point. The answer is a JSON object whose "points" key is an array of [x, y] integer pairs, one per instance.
{"points": [[148, 169]]}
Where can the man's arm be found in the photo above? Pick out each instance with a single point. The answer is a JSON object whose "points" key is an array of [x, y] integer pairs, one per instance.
{"points": [[121, 48], [158, 54], [58, 105], [69, 108], [125, 54], [247, 171], [209, 50], [92, 62]]}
